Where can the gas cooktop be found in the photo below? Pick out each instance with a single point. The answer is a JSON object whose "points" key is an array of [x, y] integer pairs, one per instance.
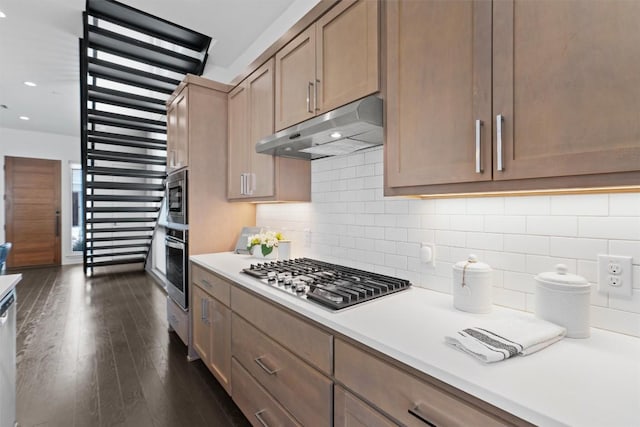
{"points": [[331, 285]]}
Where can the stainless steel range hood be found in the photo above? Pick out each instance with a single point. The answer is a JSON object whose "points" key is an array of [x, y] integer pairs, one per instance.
{"points": [[342, 131]]}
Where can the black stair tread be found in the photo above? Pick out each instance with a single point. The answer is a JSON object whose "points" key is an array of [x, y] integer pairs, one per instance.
{"points": [[133, 186], [125, 99], [137, 50], [125, 121], [135, 173], [116, 254], [127, 16], [122, 209], [115, 262], [114, 238], [125, 219], [121, 198], [120, 143], [130, 76], [117, 156], [131, 138], [125, 246], [118, 229]]}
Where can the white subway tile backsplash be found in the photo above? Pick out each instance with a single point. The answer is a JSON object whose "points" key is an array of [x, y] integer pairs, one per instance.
{"points": [[587, 204], [352, 223], [505, 224], [577, 248], [622, 228], [552, 225]]}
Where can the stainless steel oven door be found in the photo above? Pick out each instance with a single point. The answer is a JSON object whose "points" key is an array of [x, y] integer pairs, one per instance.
{"points": [[177, 197], [176, 252]]}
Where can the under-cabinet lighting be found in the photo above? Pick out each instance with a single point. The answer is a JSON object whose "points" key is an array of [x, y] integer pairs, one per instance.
{"points": [[24, 118], [30, 84], [336, 135], [2, 15]]}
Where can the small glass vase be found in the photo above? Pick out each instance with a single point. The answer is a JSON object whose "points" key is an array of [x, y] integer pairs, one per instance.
{"points": [[256, 251]]}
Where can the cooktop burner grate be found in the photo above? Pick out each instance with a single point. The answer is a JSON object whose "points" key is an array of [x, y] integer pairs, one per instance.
{"points": [[330, 285]]}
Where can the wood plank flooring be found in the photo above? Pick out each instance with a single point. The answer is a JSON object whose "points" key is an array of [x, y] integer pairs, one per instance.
{"points": [[96, 352]]}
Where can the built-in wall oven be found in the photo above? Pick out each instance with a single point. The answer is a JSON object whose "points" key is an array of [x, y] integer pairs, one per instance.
{"points": [[177, 265], [177, 197]]}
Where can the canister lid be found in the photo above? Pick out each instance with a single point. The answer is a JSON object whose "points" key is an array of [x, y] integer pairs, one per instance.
{"points": [[561, 279], [472, 265]]}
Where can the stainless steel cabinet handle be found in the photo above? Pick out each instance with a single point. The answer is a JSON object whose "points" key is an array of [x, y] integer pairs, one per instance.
{"points": [[309, 97], [243, 184], [202, 314], [258, 415], [315, 95], [251, 178], [207, 283], [499, 120], [264, 367], [478, 146], [415, 411]]}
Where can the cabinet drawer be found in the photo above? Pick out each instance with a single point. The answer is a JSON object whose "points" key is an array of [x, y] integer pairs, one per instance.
{"points": [[400, 394], [218, 288], [305, 392], [310, 343], [254, 401], [178, 320], [353, 412]]}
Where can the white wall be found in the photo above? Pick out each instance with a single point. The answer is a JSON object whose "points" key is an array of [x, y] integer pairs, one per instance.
{"points": [[20, 143], [350, 222]]}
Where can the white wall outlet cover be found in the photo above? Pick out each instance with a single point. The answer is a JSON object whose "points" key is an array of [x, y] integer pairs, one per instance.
{"points": [[428, 253], [615, 275]]}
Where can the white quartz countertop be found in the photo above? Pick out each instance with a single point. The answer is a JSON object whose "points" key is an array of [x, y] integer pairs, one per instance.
{"points": [[577, 382], [7, 283]]}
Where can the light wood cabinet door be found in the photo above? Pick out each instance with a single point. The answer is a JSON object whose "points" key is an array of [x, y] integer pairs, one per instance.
{"points": [[238, 154], [349, 411], [438, 86], [178, 132], [219, 363], [347, 53], [261, 115], [295, 80], [201, 332], [566, 78]]}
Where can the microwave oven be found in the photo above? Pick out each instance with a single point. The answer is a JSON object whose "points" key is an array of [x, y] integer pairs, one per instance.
{"points": [[177, 197]]}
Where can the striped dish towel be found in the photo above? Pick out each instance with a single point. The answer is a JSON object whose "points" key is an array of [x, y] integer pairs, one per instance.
{"points": [[499, 340]]}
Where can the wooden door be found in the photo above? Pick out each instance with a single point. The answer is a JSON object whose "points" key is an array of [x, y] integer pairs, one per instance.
{"points": [[438, 85], [32, 211], [349, 411], [178, 132], [200, 321], [567, 80], [261, 108], [295, 80], [220, 356], [347, 53], [238, 141]]}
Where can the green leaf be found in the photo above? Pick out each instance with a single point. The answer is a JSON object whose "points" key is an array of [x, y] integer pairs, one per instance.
{"points": [[266, 250]]}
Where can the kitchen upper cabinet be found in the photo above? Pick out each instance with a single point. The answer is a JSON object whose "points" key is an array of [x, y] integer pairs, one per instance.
{"points": [[438, 96], [178, 131], [465, 113], [570, 97], [254, 176], [333, 62]]}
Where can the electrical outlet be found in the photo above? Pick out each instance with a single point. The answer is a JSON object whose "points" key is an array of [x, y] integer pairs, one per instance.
{"points": [[615, 275], [428, 253]]}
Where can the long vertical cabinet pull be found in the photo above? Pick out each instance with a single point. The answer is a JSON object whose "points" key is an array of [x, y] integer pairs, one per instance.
{"points": [[499, 121], [478, 146], [242, 184], [202, 314], [315, 95], [309, 97], [252, 183]]}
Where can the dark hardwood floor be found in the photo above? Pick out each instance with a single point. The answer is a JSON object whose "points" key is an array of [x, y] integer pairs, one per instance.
{"points": [[96, 352]]}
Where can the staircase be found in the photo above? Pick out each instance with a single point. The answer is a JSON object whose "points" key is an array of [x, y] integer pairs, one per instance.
{"points": [[130, 62]]}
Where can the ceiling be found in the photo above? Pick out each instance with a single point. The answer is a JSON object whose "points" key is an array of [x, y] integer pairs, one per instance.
{"points": [[39, 43]]}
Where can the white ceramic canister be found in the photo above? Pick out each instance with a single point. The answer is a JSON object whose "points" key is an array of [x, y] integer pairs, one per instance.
{"points": [[472, 286], [284, 249], [564, 299]]}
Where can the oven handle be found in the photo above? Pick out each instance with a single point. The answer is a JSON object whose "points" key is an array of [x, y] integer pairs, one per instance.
{"points": [[173, 244]]}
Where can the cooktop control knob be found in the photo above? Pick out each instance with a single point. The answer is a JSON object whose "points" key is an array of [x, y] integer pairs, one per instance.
{"points": [[271, 276], [300, 289]]}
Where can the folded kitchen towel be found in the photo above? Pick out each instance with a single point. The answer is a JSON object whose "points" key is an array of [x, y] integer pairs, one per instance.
{"points": [[499, 340]]}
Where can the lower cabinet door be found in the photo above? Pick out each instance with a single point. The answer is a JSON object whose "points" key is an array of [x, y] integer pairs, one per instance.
{"points": [[349, 411], [220, 354], [199, 320], [255, 403]]}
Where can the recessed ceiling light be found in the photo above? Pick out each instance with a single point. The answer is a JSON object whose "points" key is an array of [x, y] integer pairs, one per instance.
{"points": [[336, 135], [24, 118], [30, 84], [2, 15]]}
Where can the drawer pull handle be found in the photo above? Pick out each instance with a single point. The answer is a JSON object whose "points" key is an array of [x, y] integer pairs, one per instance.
{"points": [[207, 283], [258, 415], [264, 367], [419, 415]]}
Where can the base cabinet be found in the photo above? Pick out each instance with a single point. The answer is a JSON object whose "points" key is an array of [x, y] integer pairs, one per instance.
{"points": [[349, 411]]}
